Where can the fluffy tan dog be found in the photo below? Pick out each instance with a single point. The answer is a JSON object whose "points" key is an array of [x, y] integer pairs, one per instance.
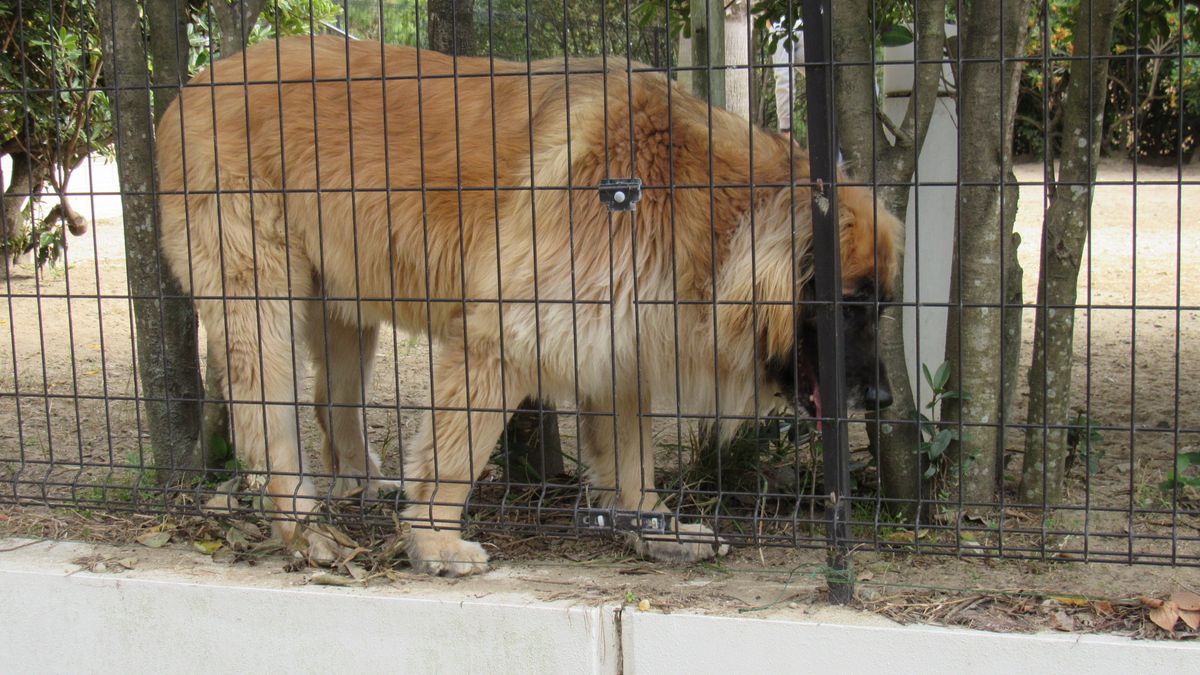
{"points": [[309, 169]]}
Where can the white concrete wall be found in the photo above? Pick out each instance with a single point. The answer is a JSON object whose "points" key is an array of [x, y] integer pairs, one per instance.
{"points": [[929, 245], [56, 619], [680, 643], [178, 612]]}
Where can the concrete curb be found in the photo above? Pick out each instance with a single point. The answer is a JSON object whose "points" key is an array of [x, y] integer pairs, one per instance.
{"points": [[169, 614]]}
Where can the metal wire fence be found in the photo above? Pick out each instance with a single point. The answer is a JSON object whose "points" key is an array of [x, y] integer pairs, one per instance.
{"points": [[391, 252]]}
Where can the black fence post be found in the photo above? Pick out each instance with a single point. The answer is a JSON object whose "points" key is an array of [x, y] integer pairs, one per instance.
{"points": [[822, 147]]}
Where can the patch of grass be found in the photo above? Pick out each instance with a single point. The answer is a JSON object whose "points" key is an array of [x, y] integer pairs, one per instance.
{"points": [[769, 465], [122, 483]]}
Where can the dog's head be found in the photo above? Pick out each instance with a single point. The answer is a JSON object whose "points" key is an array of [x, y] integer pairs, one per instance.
{"points": [[869, 251]]}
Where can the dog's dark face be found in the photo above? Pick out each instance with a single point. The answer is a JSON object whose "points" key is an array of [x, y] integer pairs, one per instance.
{"points": [[798, 374]]}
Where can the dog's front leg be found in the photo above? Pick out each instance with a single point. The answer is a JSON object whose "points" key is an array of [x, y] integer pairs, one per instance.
{"points": [[456, 439], [685, 542]]}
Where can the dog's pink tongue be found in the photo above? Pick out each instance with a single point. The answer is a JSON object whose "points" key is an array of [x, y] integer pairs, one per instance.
{"points": [[816, 398]]}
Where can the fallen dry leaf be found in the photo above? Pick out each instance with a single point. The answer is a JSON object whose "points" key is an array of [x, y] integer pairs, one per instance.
{"points": [[1186, 600], [1074, 601], [237, 539], [356, 571], [327, 579], [1062, 621], [1165, 616], [1103, 607], [249, 529], [1191, 618], [154, 539], [207, 547]]}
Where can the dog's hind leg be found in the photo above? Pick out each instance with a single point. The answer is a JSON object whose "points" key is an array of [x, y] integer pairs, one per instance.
{"points": [[344, 360], [250, 290]]}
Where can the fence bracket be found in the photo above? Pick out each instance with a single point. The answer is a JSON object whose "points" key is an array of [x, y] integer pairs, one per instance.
{"points": [[648, 522], [620, 194]]}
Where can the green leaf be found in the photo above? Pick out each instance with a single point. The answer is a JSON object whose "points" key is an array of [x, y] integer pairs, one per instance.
{"points": [[928, 377], [929, 473], [896, 35], [941, 377], [940, 442]]}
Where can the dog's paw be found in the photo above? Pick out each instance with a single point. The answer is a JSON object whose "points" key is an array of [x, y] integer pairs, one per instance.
{"points": [[695, 542], [322, 549], [346, 487], [445, 554]]}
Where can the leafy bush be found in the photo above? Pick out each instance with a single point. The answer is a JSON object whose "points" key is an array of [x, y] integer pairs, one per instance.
{"points": [[52, 114], [1153, 106]]}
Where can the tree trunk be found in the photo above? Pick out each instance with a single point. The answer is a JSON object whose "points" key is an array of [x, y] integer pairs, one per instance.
{"points": [[974, 331], [169, 54], [1063, 237], [708, 50], [236, 19], [167, 361], [25, 183], [872, 158], [1012, 323], [452, 26]]}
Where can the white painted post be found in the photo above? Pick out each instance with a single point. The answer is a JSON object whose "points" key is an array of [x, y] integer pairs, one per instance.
{"points": [[929, 245], [737, 53]]}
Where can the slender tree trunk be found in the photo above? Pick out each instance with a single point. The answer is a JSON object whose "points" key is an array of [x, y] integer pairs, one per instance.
{"points": [[165, 322], [987, 97], [872, 158], [452, 26], [1064, 234], [708, 49], [1012, 324], [25, 182], [168, 21], [235, 17]]}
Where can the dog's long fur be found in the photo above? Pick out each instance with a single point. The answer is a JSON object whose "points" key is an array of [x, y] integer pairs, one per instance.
{"points": [[308, 173]]}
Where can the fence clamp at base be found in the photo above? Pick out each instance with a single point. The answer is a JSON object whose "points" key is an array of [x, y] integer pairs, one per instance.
{"points": [[623, 521], [620, 194]]}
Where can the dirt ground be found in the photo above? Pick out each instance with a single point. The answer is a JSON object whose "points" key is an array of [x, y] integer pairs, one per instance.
{"points": [[68, 422]]}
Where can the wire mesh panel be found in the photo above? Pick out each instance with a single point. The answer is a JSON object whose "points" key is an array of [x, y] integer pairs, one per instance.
{"points": [[907, 276]]}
